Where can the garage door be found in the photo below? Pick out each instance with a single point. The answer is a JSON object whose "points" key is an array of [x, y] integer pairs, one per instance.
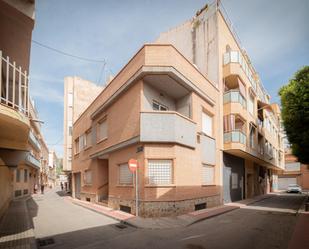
{"points": [[283, 183]]}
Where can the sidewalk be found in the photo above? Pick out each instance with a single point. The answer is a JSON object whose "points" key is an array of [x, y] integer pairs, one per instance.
{"points": [[300, 237], [16, 230], [167, 222]]}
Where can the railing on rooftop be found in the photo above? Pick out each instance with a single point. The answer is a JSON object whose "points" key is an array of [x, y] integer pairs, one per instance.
{"points": [[14, 91]]}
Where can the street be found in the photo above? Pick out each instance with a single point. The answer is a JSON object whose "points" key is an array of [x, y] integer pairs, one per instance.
{"points": [[265, 224]]}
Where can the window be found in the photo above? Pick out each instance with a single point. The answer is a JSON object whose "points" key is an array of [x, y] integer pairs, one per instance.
{"points": [[18, 175], [88, 177], [206, 124], [251, 105], [252, 136], [160, 172], [76, 145], [158, 107], [70, 153], [125, 175], [82, 142], [208, 174], [70, 99], [102, 130], [25, 175], [70, 128], [88, 138]]}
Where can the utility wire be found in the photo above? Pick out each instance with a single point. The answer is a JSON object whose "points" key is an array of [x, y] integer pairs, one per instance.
{"points": [[68, 54]]}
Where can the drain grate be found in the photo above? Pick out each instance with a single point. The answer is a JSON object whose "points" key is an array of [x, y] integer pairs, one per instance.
{"points": [[121, 226], [45, 242]]}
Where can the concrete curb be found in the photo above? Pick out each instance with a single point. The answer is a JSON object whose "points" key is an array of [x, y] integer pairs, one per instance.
{"points": [[213, 215], [122, 221]]}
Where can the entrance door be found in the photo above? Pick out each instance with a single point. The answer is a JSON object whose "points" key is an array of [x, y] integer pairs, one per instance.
{"points": [[233, 178], [77, 180]]}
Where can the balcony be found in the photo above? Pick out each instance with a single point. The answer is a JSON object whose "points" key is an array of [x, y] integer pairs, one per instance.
{"points": [[235, 136], [34, 141], [167, 127], [235, 63], [32, 161], [14, 121], [234, 96]]}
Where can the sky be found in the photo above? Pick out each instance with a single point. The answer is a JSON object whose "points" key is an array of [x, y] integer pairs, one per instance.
{"points": [[274, 33]]}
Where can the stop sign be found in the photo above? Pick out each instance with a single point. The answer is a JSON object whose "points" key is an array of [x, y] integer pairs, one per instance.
{"points": [[132, 165]]}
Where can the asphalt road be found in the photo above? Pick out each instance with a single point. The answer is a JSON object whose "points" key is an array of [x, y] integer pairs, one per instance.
{"points": [[267, 224]]}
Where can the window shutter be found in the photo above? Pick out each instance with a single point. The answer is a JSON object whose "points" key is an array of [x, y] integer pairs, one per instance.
{"points": [[208, 175], [125, 175], [206, 124]]}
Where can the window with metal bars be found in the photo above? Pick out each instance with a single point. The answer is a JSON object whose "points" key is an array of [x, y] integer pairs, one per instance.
{"points": [[208, 174], [125, 175], [160, 172]]}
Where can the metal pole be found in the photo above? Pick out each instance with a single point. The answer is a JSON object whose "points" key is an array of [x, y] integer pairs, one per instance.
{"points": [[136, 191]]}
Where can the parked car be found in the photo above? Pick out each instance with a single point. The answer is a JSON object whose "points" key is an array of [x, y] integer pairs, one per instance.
{"points": [[294, 188]]}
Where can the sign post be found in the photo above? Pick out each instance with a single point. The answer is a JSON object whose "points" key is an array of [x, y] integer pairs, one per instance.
{"points": [[133, 168]]}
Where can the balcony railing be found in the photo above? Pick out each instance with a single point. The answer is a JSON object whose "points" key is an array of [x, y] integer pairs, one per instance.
{"points": [[235, 136], [32, 161], [14, 91], [34, 140], [234, 96]]}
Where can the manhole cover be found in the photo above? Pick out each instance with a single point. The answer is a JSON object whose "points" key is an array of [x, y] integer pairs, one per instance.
{"points": [[45, 242], [121, 226]]}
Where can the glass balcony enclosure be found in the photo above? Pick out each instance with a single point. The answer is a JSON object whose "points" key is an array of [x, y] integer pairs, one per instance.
{"points": [[235, 136], [234, 96]]}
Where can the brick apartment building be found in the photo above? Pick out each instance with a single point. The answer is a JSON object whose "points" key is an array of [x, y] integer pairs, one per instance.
{"points": [[294, 173], [192, 110]]}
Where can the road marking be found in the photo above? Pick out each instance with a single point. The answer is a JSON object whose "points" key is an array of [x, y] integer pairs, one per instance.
{"points": [[193, 237]]}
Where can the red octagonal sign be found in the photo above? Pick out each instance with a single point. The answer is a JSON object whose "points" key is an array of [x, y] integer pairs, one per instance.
{"points": [[132, 165]]}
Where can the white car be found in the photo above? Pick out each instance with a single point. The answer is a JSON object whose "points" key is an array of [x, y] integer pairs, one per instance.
{"points": [[294, 188]]}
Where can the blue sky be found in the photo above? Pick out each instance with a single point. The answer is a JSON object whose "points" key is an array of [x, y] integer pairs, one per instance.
{"points": [[274, 33]]}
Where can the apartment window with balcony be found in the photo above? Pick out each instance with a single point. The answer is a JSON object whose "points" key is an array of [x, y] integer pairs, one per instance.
{"points": [[102, 130], [158, 107], [88, 177], [160, 172], [208, 174], [251, 105], [207, 124], [125, 175], [70, 99], [25, 175], [17, 175]]}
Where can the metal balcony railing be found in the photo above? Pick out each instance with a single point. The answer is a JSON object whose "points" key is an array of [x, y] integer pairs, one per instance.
{"points": [[235, 136], [234, 96], [14, 90]]}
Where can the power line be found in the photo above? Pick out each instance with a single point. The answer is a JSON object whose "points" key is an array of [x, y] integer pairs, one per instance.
{"points": [[68, 54]]}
